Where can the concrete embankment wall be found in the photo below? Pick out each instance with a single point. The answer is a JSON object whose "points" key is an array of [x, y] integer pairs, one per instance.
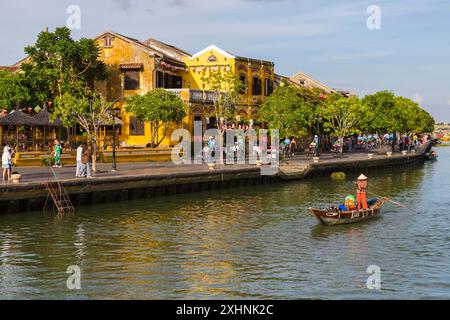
{"points": [[32, 196]]}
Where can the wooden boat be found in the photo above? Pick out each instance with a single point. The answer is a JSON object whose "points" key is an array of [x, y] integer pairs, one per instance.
{"points": [[432, 156], [330, 217]]}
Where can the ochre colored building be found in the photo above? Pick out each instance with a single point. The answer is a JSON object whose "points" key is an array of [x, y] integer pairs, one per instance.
{"points": [[136, 67]]}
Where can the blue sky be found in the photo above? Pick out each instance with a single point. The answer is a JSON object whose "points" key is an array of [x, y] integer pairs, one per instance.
{"points": [[329, 40]]}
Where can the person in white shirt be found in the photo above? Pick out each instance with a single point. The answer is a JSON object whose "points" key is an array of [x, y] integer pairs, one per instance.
{"points": [[79, 163], [6, 163]]}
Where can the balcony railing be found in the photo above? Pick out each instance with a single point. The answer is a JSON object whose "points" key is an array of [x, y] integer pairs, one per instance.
{"points": [[199, 96]]}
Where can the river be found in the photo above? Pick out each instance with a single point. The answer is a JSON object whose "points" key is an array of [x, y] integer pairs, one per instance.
{"points": [[244, 243]]}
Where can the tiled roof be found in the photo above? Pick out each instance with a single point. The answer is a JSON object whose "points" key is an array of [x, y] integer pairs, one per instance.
{"points": [[9, 68], [166, 49], [131, 66]]}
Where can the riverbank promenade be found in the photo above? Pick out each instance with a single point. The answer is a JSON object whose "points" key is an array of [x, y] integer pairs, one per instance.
{"points": [[155, 179], [39, 175]]}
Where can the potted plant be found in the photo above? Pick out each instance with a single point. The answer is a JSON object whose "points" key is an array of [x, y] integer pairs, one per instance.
{"points": [[211, 165], [16, 177]]}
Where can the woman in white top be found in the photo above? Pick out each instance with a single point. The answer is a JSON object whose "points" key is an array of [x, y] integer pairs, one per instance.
{"points": [[6, 163]]}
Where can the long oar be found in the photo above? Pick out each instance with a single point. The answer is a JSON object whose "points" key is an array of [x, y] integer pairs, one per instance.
{"points": [[396, 203], [392, 201]]}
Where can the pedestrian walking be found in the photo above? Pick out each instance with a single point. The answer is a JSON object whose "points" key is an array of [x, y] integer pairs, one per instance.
{"points": [[57, 154], [80, 165], [6, 163], [86, 161]]}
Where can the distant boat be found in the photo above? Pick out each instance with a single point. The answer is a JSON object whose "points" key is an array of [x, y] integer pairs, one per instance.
{"points": [[334, 217], [432, 156]]}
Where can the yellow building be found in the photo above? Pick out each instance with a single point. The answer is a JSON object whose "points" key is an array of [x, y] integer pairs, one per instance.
{"points": [[135, 67]]}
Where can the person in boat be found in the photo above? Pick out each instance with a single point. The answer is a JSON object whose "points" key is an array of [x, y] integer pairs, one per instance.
{"points": [[361, 192], [349, 204]]}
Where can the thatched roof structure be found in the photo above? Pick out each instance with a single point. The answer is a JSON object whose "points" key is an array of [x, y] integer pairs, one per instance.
{"points": [[43, 119], [17, 118]]}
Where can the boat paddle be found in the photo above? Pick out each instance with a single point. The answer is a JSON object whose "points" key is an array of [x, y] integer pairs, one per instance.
{"points": [[396, 203]]}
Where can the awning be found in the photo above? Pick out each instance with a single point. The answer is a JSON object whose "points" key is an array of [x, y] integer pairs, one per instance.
{"points": [[131, 66]]}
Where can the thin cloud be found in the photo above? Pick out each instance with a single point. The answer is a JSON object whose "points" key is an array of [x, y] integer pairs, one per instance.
{"points": [[418, 98], [123, 4]]}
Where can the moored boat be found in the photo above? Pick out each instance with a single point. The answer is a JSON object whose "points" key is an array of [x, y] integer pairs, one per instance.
{"points": [[335, 216], [432, 156]]}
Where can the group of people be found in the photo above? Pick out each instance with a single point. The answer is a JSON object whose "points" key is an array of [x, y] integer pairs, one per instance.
{"points": [[411, 141], [288, 146], [83, 159], [7, 157], [405, 141], [363, 142]]}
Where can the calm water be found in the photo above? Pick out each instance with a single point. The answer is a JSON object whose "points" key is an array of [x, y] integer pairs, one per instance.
{"points": [[242, 243]]}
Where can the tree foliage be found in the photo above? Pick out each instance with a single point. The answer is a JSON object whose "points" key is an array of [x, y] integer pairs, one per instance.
{"points": [[385, 112], [13, 91], [341, 116], [160, 108], [59, 64], [90, 112], [226, 90], [296, 111], [286, 111]]}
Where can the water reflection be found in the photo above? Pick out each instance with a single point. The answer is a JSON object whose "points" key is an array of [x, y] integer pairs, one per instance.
{"points": [[257, 242]]}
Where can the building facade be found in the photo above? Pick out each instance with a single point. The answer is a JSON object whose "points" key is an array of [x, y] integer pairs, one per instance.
{"points": [[136, 67]]}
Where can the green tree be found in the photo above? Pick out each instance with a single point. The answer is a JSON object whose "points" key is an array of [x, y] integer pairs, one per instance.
{"points": [[426, 124], [412, 117], [290, 110], [226, 90], [90, 112], [13, 91], [382, 114], [385, 112], [59, 64], [313, 99], [341, 116], [160, 108]]}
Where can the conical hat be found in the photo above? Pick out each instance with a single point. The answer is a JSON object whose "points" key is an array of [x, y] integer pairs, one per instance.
{"points": [[362, 177]]}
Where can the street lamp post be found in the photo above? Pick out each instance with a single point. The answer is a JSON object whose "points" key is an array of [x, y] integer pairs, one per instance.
{"points": [[318, 120], [114, 113], [114, 164]]}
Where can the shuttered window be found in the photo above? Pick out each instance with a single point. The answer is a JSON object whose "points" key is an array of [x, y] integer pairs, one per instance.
{"points": [[243, 79], [131, 80], [137, 127], [268, 87], [256, 88]]}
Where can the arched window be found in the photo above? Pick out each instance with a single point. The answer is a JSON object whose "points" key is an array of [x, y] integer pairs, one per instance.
{"points": [[212, 58]]}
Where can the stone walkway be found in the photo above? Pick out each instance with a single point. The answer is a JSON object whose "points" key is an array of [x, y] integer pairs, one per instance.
{"points": [[40, 174]]}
